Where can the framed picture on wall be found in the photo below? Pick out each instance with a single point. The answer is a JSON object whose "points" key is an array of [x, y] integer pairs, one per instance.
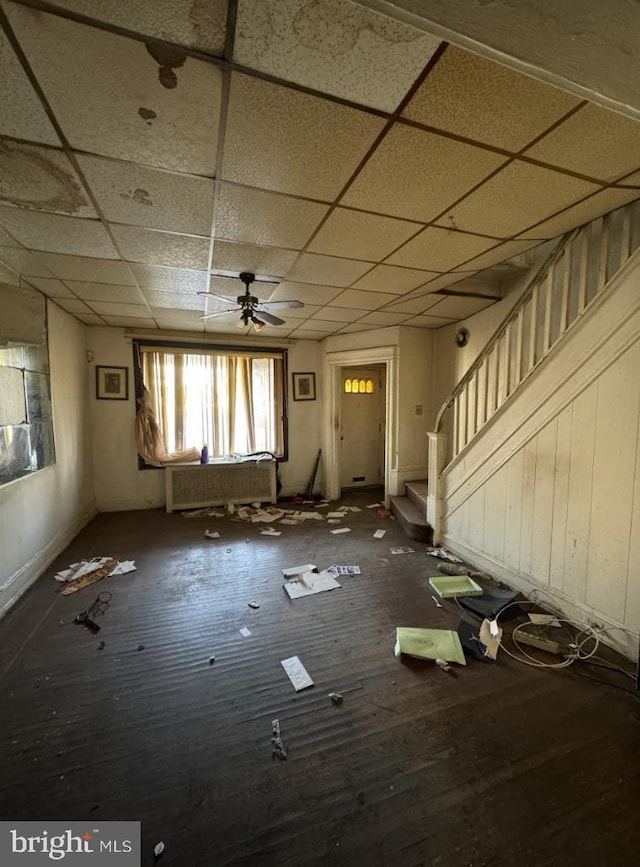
{"points": [[304, 386], [112, 383]]}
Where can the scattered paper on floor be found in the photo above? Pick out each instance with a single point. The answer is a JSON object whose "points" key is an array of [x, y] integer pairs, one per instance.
{"points": [[245, 632], [340, 530], [490, 638], [297, 673], [310, 583], [429, 644], [87, 572], [211, 534], [335, 514], [294, 571], [544, 619], [401, 549], [443, 554], [344, 570], [333, 520], [269, 531], [379, 534]]}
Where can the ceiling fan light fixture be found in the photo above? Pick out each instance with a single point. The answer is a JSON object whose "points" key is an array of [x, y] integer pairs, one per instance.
{"points": [[257, 324]]}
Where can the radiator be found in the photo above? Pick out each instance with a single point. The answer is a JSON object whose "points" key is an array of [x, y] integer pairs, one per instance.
{"points": [[189, 486]]}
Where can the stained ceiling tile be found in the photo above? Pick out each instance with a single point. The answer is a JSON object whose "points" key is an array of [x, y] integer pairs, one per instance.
{"points": [[106, 292], [440, 249], [355, 298], [589, 209], [313, 268], [269, 261], [517, 197], [428, 322], [51, 287], [336, 314], [417, 174], [86, 269], [120, 98], [21, 112], [161, 248], [285, 140], [171, 279], [53, 233], [335, 46], [355, 234], [23, 262], [594, 141], [305, 292], [113, 308], [387, 278], [457, 307], [200, 24], [41, 179], [496, 255], [140, 196], [259, 217], [479, 99], [384, 318]]}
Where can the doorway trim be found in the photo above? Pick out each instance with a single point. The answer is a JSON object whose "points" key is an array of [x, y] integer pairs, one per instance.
{"points": [[333, 364]]}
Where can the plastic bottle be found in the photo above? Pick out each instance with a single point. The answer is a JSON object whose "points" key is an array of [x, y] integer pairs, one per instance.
{"points": [[204, 454]]}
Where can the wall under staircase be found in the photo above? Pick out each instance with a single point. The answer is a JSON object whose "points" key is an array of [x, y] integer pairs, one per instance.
{"points": [[545, 493]]}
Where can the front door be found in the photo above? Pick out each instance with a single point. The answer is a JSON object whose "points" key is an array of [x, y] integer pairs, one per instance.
{"points": [[362, 429]]}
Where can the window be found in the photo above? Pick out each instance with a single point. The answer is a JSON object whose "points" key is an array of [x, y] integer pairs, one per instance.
{"points": [[358, 386], [232, 400]]}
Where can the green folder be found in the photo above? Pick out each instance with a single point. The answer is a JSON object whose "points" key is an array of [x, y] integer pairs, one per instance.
{"points": [[429, 644], [455, 585]]}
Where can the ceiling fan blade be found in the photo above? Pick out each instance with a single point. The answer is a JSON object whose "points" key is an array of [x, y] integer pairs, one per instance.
{"points": [[279, 305], [219, 313], [269, 317]]}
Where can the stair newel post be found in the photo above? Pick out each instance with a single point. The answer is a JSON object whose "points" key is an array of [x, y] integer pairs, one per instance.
{"points": [[435, 496]]}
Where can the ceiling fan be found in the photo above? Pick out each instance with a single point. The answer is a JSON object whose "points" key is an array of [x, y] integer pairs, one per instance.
{"points": [[253, 311]]}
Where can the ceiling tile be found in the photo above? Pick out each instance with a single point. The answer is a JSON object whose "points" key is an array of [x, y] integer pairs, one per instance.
{"points": [[326, 326], [355, 299], [383, 318], [415, 305], [86, 269], [89, 318], [498, 254], [171, 279], [198, 25], [313, 268], [479, 99], [8, 276], [161, 248], [113, 308], [358, 235], [298, 312], [305, 292], [282, 139], [51, 287], [518, 196], [269, 261], [171, 321], [187, 303], [42, 179], [428, 322], [354, 328], [7, 241], [129, 322], [23, 262], [164, 312], [417, 174], [116, 99], [594, 141], [106, 292], [53, 233], [589, 209], [21, 112], [336, 314], [299, 334], [73, 305], [147, 197], [387, 278], [440, 249], [271, 219], [232, 287], [335, 46], [457, 307], [433, 285]]}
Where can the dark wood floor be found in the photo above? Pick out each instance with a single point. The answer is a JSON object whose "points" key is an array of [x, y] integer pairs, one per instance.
{"points": [[496, 765]]}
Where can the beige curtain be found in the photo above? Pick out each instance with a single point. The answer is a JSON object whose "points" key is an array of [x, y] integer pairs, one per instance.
{"points": [[149, 440]]}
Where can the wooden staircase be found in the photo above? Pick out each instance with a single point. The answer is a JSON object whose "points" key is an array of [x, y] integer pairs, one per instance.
{"points": [[411, 512]]}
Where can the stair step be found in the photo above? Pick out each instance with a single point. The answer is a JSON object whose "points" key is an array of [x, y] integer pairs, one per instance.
{"points": [[417, 493], [411, 519]]}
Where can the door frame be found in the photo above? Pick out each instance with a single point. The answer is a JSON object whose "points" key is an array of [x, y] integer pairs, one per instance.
{"points": [[333, 364]]}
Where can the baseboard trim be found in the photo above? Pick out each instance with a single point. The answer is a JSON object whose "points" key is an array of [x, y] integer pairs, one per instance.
{"points": [[620, 641], [17, 584]]}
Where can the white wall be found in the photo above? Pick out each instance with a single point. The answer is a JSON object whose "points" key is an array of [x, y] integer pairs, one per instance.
{"points": [[548, 495], [40, 514], [120, 485]]}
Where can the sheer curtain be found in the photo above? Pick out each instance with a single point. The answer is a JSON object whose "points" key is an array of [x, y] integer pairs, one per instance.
{"points": [[234, 403]]}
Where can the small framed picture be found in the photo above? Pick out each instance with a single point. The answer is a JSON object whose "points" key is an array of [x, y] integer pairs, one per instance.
{"points": [[112, 383], [304, 386]]}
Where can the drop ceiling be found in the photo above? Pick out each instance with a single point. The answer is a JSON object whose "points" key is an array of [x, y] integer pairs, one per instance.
{"points": [[382, 174]]}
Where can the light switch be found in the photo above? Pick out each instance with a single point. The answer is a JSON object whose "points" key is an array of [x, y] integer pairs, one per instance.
{"points": [[418, 409]]}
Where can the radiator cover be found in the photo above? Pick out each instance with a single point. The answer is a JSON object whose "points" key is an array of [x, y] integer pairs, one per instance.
{"points": [[189, 486]]}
